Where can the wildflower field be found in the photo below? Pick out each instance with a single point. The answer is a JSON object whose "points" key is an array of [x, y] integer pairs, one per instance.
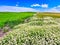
{"points": [[36, 31]]}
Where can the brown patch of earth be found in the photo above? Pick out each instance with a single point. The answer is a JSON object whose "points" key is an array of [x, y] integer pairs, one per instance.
{"points": [[2, 33]]}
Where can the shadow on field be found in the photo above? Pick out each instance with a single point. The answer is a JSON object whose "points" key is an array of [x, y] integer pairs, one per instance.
{"points": [[11, 24]]}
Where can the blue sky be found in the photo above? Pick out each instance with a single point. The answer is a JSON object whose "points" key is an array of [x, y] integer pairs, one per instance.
{"points": [[30, 5]]}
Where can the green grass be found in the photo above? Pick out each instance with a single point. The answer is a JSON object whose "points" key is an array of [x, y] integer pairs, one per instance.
{"points": [[13, 18]]}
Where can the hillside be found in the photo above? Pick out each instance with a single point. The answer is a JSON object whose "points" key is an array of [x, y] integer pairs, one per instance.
{"points": [[36, 31]]}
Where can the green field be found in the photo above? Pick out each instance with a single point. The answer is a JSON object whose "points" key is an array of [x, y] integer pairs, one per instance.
{"points": [[41, 29], [13, 18]]}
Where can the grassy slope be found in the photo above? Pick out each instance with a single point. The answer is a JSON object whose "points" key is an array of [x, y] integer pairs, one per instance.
{"points": [[13, 18], [38, 31]]}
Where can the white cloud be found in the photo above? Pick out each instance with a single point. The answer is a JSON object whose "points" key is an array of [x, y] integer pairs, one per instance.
{"points": [[54, 9], [44, 5], [34, 5], [25, 9], [16, 9]]}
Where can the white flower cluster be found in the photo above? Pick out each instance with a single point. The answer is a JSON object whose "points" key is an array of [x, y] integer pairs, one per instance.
{"points": [[32, 33]]}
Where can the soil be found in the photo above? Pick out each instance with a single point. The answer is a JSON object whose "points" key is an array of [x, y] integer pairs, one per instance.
{"points": [[1, 33], [4, 33]]}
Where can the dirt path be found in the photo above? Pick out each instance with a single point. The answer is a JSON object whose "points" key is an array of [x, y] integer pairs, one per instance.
{"points": [[1, 34]]}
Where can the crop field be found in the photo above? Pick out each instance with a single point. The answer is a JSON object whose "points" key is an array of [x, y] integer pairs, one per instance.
{"points": [[54, 15], [40, 29], [13, 18]]}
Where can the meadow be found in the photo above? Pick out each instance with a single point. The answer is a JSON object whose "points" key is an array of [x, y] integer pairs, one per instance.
{"points": [[37, 30], [13, 18]]}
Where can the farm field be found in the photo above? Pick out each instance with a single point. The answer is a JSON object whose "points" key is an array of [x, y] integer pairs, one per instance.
{"points": [[13, 18], [50, 14], [40, 29]]}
